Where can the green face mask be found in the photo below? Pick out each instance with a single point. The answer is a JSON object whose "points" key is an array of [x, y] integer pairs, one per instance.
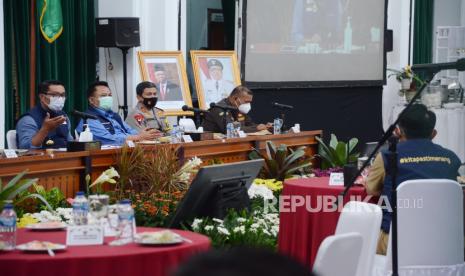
{"points": [[106, 102]]}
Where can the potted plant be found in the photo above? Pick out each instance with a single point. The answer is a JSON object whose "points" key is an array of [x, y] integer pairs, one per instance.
{"points": [[408, 82]]}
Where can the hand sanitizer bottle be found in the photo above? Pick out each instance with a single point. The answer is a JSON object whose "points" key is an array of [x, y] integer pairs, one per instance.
{"points": [[86, 135]]}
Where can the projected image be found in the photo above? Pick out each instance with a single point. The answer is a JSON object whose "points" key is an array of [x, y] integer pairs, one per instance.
{"points": [[324, 27], [292, 40]]}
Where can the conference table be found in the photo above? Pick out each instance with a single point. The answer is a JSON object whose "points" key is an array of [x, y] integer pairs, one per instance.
{"points": [[67, 170], [304, 225], [131, 259]]}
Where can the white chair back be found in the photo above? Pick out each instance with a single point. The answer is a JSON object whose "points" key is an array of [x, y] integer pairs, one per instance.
{"points": [[339, 255], [188, 124], [365, 219], [430, 223], [11, 139]]}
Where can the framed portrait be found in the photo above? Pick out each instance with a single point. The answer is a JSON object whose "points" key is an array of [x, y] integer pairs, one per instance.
{"points": [[216, 74], [168, 72]]}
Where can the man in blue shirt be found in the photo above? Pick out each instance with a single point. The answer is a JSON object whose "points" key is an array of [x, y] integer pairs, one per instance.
{"points": [[110, 128], [45, 125], [418, 158]]}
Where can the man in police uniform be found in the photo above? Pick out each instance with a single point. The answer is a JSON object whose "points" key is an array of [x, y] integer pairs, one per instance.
{"points": [[216, 88], [145, 114], [418, 158], [240, 99]]}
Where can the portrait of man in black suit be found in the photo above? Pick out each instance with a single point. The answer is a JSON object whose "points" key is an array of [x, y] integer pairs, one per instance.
{"points": [[167, 89]]}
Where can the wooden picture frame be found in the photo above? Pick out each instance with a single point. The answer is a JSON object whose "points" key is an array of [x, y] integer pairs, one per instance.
{"points": [[168, 67], [212, 85]]}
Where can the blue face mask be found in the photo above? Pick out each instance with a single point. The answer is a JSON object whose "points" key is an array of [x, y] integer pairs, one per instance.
{"points": [[106, 103]]}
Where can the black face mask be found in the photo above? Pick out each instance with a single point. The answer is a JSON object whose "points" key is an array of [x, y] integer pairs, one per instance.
{"points": [[150, 102]]}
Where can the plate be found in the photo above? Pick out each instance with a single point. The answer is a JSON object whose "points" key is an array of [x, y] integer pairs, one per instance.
{"points": [[165, 237], [40, 246], [148, 142], [46, 226]]}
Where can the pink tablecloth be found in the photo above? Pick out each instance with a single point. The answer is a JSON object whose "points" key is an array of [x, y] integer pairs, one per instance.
{"points": [[302, 230], [99, 260]]}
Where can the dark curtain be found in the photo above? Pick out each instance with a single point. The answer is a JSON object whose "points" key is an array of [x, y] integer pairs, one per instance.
{"points": [[16, 37], [423, 31], [70, 59], [229, 9]]}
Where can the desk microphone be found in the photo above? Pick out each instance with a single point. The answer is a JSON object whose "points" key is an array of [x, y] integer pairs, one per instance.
{"points": [[193, 109], [84, 115], [230, 108], [282, 106]]}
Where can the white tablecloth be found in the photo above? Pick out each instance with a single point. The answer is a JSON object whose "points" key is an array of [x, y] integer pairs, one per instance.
{"points": [[450, 124]]}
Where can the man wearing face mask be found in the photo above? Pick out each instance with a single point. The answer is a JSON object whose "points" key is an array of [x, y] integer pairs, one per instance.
{"points": [[110, 128], [46, 125], [240, 99], [145, 114]]}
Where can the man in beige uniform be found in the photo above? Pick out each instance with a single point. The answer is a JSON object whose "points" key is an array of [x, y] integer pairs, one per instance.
{"points": [[145, 114]]}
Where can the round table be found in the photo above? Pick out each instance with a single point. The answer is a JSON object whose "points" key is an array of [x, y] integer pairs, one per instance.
{"points": [[450, 124], [131, 259], [302, 229]]}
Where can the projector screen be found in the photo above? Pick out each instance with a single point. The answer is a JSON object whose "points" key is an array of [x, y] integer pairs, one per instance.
{"points": [[313, 42]]}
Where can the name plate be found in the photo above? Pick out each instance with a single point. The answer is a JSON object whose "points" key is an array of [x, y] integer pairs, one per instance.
{"points": [[84, 235], [9, 153], [336, 179], [187, 139]]}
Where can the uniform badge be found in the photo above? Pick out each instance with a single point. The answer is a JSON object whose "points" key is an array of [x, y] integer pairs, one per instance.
{"points": [[139, 118]]}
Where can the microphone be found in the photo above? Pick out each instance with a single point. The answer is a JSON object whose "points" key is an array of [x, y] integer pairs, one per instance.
{"points": [[84, 115], [230, 108], [193, 109], [459, 65], [282, 106]]}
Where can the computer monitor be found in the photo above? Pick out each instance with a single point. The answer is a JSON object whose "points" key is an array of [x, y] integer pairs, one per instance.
{"points": [[215, 190]]}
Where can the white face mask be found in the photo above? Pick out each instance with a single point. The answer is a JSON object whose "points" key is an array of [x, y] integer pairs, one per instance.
{"points": [[56, 103], [244, 108]]}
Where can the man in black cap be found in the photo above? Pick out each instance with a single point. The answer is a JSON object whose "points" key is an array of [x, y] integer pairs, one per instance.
{"points": [[168, 90], [216, 88]]}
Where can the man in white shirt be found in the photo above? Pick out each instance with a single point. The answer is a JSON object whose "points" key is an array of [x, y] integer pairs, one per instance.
{"points": [[216, 88]]}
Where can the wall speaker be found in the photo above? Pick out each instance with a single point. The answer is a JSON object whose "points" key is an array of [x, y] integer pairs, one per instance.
{"points": [[388, 40], [117, 32]]}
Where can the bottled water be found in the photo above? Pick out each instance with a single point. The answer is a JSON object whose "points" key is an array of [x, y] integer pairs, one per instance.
{"points": [[180, 133], [174, 135], [80, 209], [230, 130], [8, 227], [125, 221]]}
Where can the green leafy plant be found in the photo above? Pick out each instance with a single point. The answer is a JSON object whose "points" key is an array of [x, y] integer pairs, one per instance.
{"points": [[281, 161], [54, 197], [13, 190], [337, 153], [252, 229]]}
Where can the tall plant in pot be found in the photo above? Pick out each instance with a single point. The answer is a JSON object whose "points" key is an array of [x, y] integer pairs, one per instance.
{"points": [[282, 162], [337, 153]]}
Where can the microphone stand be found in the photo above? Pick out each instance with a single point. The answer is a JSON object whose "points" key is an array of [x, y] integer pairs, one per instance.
{"points": [[392, 171]]}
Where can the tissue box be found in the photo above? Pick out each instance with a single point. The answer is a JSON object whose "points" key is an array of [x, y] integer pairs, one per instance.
{"points": [[200, 136], [82, 146]]}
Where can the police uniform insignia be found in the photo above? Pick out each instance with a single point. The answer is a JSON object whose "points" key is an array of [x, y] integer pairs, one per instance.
{"points": [[139, 118], [240, 117]]}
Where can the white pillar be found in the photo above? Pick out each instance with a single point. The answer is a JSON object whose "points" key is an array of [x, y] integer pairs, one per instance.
{"points": [[398, 21]]}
